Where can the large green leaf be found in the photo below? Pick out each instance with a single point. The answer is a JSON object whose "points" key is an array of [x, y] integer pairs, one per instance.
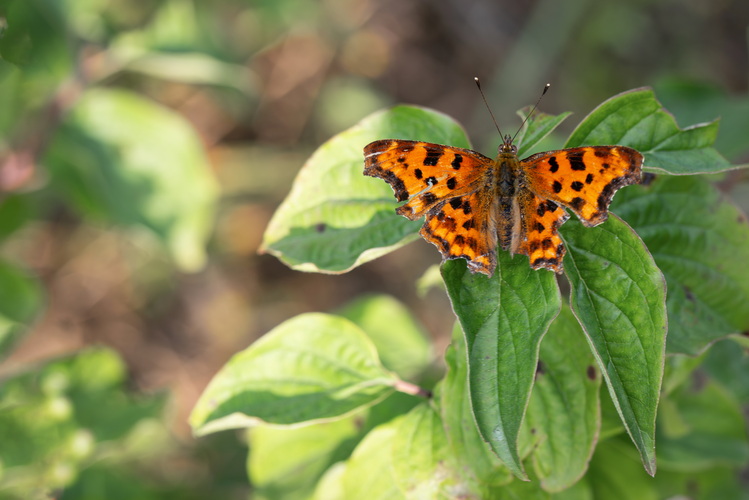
{"points": [[638, 120], [619, 296], [335, 218], [128, 160], [20, 301], [479, 466], [700, 242], [312, 367], [504, 318], [564, 407]]}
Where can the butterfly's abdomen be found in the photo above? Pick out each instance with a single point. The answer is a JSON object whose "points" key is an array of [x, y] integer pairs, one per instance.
{"points": [[506, 188]]}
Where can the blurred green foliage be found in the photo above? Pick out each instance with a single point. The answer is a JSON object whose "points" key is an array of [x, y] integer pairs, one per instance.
{"points": [[144, 146]]}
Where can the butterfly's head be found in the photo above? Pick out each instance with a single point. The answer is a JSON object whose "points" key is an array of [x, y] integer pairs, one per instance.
{"points": [[507, 146]]}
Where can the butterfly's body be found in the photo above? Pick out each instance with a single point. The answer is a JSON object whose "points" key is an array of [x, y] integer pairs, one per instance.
{"points": [[473, 204], [510, 189]]}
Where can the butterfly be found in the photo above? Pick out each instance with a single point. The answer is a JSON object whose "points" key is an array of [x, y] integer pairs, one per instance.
{"points": [[473, 204]]}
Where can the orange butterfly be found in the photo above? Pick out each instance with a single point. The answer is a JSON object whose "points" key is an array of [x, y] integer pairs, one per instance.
{"points": [[472, 202]]}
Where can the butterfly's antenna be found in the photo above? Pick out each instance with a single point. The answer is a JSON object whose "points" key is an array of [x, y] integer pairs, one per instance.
{"points": [[478, 84], [543, 93]]}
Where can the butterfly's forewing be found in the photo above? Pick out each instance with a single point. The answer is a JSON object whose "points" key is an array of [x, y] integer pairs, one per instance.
{"points": [[583, 179], [445, 185], [424, 173]]}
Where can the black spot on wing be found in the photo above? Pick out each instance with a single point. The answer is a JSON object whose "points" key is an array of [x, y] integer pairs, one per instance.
{"points": [[554, 165], [466, 206], [457, 161], [428, 198], [433, 157], [576, 161]]}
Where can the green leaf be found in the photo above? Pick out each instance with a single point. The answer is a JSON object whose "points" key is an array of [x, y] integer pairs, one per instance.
{"points": [[537, 128], [728, 363], [611, 422], [717, 482], [369, 472], [126, 159], [419, 449], [330, 486], [699, 240], [335, 218], [693, 101], [286, 463], [714, 431], [20, 301], [309, 368], [614, 473], [564, 407], [619, 296], [519, 490], [401, 342], [480, 468], [504, 318], [636, 119]]}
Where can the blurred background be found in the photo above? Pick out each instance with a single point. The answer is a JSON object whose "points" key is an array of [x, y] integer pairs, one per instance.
{"points": [[145, 144]]}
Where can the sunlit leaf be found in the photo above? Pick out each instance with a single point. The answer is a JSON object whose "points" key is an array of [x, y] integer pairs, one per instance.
{"points": [[401, 342], [419, 448], [310, 368], [286, 463], [335, 218], [369, 472]]}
